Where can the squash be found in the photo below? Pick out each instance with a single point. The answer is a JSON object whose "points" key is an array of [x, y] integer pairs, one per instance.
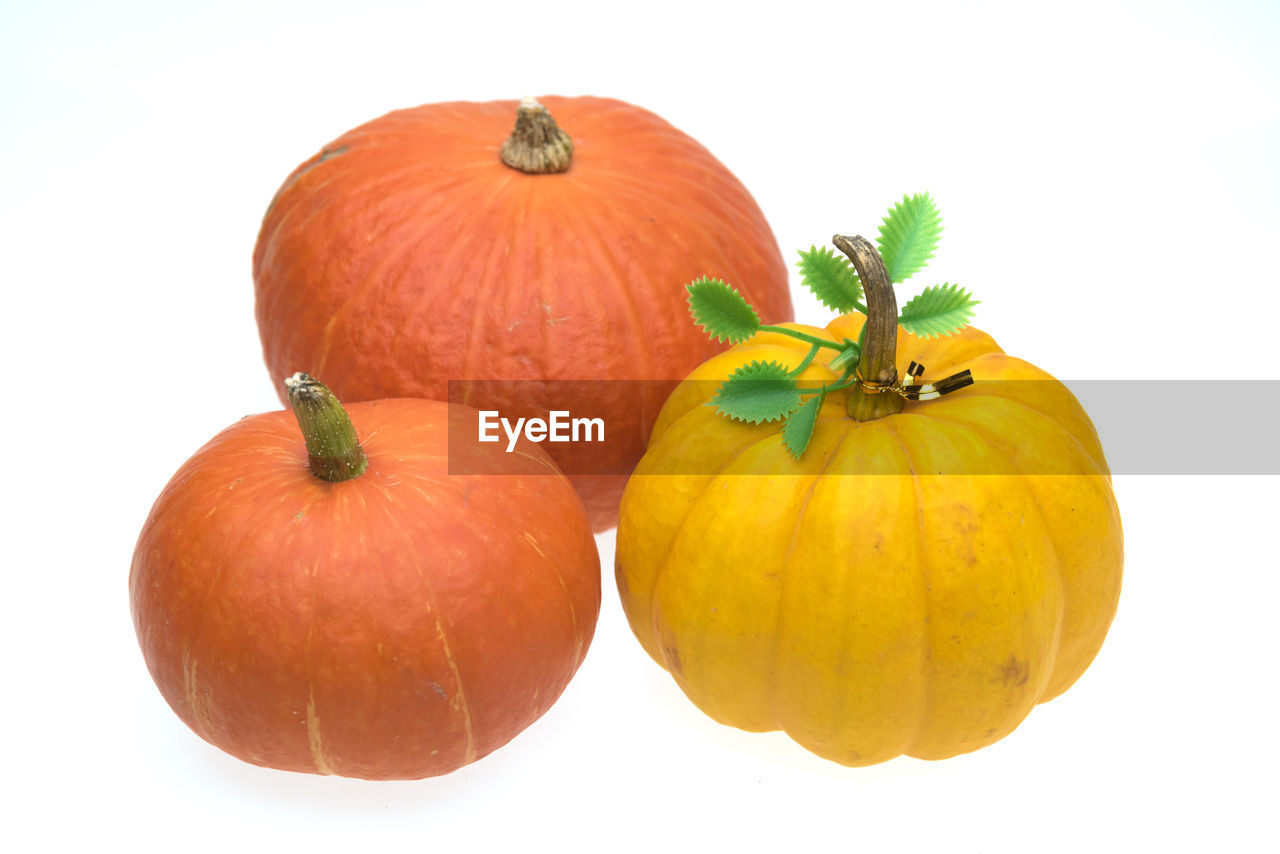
{"points": [[421, 248], [919, 579], [348, 607]]}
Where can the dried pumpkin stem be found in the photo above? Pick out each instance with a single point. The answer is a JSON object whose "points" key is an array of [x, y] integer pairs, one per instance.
{"points": [[537, 146], [333, 451], [880, 342]]}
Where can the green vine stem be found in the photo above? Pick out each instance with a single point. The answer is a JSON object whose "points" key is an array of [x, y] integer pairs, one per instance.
{"points": [[537, 146], [333, 450], [880, 338], [801, 336]]}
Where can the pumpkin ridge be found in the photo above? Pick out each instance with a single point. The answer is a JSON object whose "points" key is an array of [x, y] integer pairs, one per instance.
{"points": [[376, 203], [730, 209], [601, 251], [733, 213], [926, 677], [664, 564], [941, 413], [1054, 537], [457, 201], [981, 432], [979, 389], [474, 344], [1055, 646], [314, 741], [782, 579], [464, 708], [387, 227], [199, 720], [200, 618]]}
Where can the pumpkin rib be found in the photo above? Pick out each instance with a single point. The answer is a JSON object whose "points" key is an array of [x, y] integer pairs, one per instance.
{"points": [[922, 714], [412, 238], [1053, 580], [474, 344], [680, 226], [431, 605], [664, 564], [605, 195], [314, 739], [981, 432], [371, 211], [650, 401], [1055, 646], [200, 619], [816, 478], [601, 251], [979, 390], [198, 718], [1056, 539], [940, 413], [458, 202]]}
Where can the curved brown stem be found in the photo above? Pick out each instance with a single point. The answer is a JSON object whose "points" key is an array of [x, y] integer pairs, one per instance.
{"points": [[880, 343]]}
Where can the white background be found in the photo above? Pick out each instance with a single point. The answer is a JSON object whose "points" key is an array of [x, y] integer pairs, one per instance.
{"points": [[1107, 174]]}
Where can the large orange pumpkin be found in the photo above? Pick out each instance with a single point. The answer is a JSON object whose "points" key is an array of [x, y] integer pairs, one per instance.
{"points": [[408, 253], [915, 583], [394, 625]]}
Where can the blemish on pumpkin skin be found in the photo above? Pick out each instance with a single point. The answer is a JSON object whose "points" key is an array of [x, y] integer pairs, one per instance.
{"points": [[672, 657], [1014, 672], [533, 541], [313, 737], [547, 317]]}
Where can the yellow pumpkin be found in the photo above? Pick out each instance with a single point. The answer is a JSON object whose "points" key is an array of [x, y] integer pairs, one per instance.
{"points": [[913, 584]]}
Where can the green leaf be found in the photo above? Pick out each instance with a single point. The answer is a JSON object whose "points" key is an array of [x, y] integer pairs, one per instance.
{"points": [[799, 427], [938, 310], [760, 391], [909, 236], [721, 311], [831, 278]]}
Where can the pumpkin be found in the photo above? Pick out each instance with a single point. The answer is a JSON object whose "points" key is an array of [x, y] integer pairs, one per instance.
{"points": [[920, 578], [436, 244], [348, 607]]}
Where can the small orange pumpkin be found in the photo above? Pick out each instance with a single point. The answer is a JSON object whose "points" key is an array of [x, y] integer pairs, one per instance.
{"points": [[420, 248], [391, 621]]}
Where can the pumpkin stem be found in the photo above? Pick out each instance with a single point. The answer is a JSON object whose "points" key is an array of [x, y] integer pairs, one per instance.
{"points": [[537, 146], [333, 450], [880, 339]]}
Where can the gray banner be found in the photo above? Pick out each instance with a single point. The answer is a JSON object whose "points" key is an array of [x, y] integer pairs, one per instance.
{"points": [[1145, 427]]}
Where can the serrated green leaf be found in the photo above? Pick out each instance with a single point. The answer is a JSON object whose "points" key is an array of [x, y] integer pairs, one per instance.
{"points": [[721, 311], [938, 310], [799, 427], [760, 391], [909, 236], [831, 278]]}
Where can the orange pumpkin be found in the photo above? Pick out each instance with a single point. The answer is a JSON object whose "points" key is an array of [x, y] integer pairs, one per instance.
{"points": [[408, 253], [395, 625]]}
